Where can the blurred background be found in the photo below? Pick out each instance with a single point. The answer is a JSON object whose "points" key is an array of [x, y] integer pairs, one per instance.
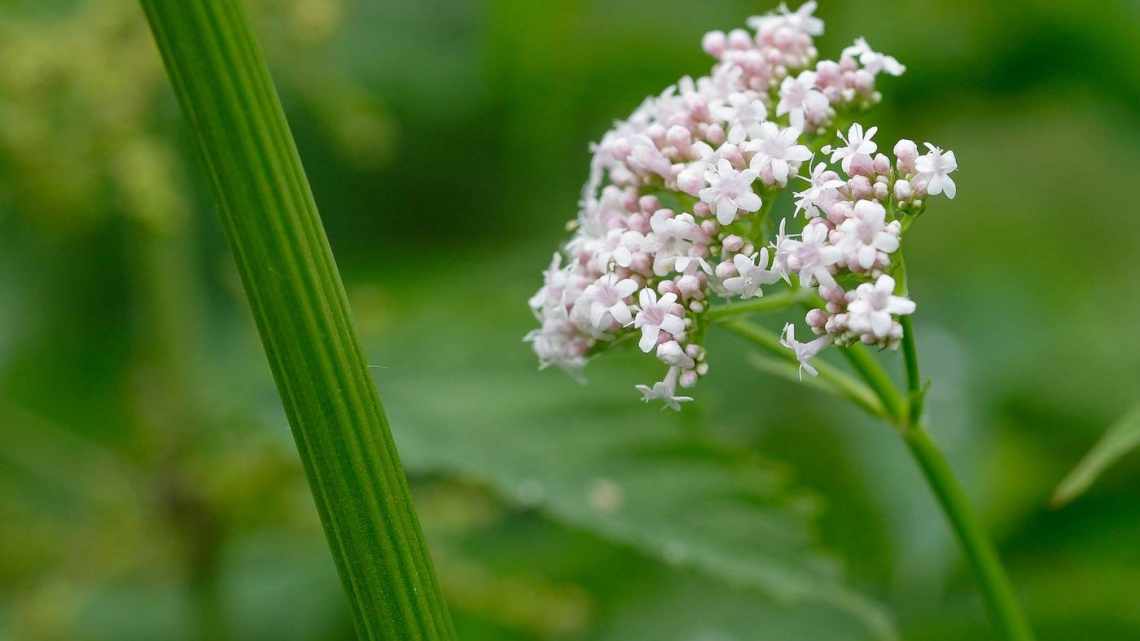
{"points": [[149, 487]]}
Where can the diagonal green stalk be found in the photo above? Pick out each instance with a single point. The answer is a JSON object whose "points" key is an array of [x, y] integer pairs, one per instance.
{"points": [[879, 396], [303, 317], [838, 381], [1001, 600]]}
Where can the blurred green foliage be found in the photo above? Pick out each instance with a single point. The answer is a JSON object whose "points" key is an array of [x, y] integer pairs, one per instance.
{"points": [[148, 486]]}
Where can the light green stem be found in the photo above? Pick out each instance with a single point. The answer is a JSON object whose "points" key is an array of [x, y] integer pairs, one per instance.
{"points": [[772, 303], [1000, 598], [302, 314], [842, 384]]}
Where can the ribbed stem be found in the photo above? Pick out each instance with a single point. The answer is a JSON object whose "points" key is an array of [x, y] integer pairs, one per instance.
{"points": [[302, 315]]}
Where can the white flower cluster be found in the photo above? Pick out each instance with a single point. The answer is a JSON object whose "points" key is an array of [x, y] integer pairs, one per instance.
{"points": [[676, 207]]}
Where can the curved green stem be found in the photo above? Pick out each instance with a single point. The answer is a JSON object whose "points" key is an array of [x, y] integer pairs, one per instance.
{"points": [[1000, 598], [839, 382], [999, 594], [879, 381], [303, 318]]}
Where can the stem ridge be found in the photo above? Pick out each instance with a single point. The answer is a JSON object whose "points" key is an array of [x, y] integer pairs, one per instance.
{"points": [[303, 317]]}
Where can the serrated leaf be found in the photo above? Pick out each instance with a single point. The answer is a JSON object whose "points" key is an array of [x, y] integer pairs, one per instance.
{"points": [[1120, 439]]}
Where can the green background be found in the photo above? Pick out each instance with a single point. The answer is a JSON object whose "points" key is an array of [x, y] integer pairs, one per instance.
{"points": [[148, 485]]}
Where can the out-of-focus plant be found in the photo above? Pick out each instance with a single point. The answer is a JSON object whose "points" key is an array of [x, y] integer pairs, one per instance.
{"points": [[676, 211], [78, 91]]}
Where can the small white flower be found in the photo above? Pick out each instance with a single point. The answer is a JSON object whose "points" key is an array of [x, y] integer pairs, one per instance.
{"points": [[730, 190], [645, 156], [671, 353], [656, 316], [872, 305], [753, 273], [823, 191], [743, 111], [856, 142], [809, 257], [873, 61], [804, 351], [867, 233], [670, 240], [934, 169], [800, 98], [800, 20], [665, 390], [607, 297], [776, 151]]}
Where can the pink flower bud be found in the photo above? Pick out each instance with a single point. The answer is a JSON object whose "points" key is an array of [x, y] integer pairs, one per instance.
{"points": [[689, 286], [688, 378], [648, 204], [906, 152], [725, 270], [680, 138], [733, 243], [714, 43], [715, 134], [903, 190], [860, 187], [739, 39], [882, 164], [862, 165]]}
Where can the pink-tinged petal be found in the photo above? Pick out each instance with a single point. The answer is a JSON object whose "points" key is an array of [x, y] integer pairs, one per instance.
{"points": [[934, 186], [749, 202], [667, 299], [866, 256], [799, 153], [880, 323], [597, 312], [647, 298], [673, 324], [780, 170], [887, 242], [627, 287], [742, 263], [901, 306], [950, 188], [734, 284], [621, 314], [648, 338], [725, 211]]}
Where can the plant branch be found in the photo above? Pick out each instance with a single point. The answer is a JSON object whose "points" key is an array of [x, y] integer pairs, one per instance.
{"points": [[1000, 598], [839, 382], [303, 318], [775, 302]]}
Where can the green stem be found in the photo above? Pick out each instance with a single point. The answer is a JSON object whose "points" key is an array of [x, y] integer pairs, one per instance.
{"points": [[842, 384], [775, 302], [302, 314], [878, 379], [913, 377], [1000, 598]]}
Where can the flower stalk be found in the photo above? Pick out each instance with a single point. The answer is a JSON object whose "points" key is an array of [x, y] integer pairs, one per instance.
{"points": [[303, 318]]}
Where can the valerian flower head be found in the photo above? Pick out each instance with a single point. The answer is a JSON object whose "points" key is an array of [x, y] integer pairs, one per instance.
{"points": [[674, 216]]}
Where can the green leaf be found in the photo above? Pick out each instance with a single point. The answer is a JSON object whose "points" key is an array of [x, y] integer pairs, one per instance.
{"points": [[303, 318], [1120, 439], [594, 458]]}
